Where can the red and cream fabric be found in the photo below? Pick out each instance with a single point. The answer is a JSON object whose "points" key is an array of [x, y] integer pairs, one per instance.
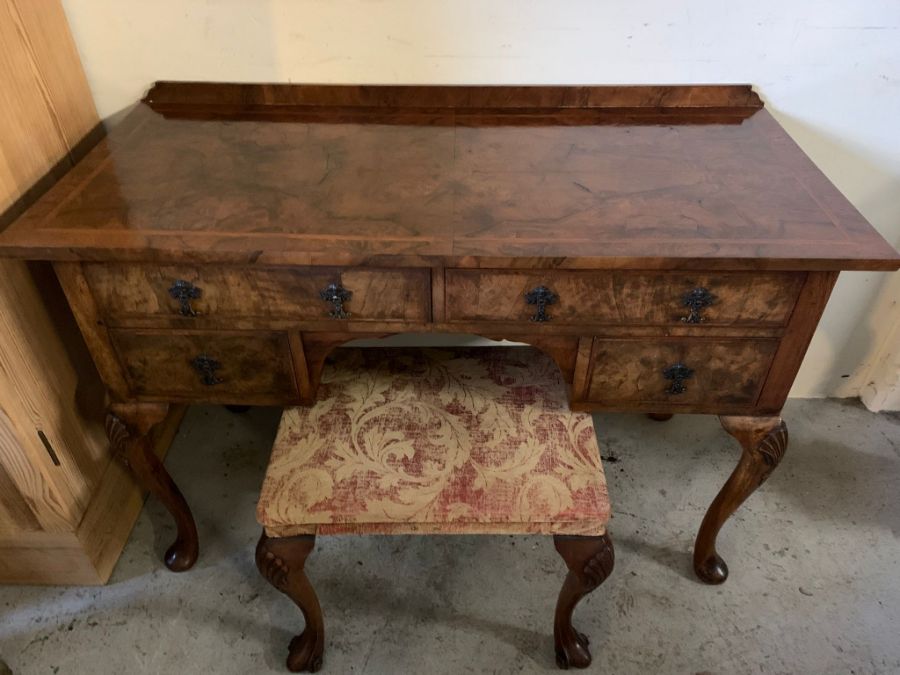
{"points": [[436, 441]]}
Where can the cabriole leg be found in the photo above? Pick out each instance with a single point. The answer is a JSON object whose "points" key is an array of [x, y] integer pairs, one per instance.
{"points": [[764, 441], [590, 561], [281, 561], [128, 427]]}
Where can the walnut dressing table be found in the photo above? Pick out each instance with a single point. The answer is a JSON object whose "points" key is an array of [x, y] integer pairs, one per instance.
{"points": [[671, 248]]}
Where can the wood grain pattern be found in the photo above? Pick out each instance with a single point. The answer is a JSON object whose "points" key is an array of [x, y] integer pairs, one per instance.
{"points": [[761, 299], [180, 97], [253, 368], [66, 509], [102, 537], [725, 372], [617, 192], [128, 293], [810, 305], [31, 140], [93, 327], [87, 554], [54, 55], [439, 207], [301, 368], [738, 299], [763, 444], [51, 458], [37, 394]]}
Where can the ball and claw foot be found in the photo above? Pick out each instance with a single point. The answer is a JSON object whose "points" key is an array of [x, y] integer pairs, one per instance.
{"points": [[590, 561], [281, 561], [575, 653], [302, 654]]}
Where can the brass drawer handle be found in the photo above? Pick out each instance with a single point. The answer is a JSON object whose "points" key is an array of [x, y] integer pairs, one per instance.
{"points": [[696, 301], [677, 373], [337, 295], [184, 292], [541, 296], [207, 367]]}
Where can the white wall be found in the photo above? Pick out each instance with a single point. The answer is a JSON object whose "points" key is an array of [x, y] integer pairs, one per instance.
{"points": [[828, 69]]}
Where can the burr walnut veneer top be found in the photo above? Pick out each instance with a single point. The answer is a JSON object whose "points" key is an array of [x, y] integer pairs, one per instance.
{"points": [[569, 177]]}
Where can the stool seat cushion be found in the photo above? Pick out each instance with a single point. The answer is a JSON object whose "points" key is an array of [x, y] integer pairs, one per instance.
{"points": [[436, 441]]}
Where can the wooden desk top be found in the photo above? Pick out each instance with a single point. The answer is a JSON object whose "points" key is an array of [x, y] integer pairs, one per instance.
{"points": [[570, 177]]}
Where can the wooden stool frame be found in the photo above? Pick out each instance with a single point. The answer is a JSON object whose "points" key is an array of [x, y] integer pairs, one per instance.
{"points": [[282, 561]]}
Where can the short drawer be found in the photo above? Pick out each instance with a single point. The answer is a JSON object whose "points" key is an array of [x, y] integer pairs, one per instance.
{"points": [[240, 367], [192, 294], [687, 371], [622, 297]]}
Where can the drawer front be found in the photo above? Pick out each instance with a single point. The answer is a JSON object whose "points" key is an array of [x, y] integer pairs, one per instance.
{"points": [[688, 371], [715, 299], [194, 294], [489, 295], [207, 366], [627, 298]]}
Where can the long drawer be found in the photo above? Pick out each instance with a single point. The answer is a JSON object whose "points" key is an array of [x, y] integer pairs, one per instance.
{"points": [[622, 297], [194, 294], [678, 371], [207, 366]]}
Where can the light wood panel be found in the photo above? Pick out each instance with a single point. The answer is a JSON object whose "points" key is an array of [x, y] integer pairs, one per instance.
{"points": [[60, 77], [30, 140], [38, 395], [87, 554], [65, 508], [49, 454]]}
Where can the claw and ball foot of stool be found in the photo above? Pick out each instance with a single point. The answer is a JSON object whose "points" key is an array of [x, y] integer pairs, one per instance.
{"points": [[281, 561], [590, 560]]}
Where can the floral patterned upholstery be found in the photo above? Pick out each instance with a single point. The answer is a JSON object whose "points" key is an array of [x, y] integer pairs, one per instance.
{"points": [[436, 441]]}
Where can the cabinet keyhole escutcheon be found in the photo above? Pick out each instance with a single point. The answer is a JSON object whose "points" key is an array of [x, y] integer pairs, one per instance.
{"points": [[184, 291], [336, 295], [541, 297], [696, 301], [207, 366], [677, 373]]}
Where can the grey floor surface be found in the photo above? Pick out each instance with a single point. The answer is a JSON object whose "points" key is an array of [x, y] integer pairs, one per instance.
{"points": [[814, 557]]}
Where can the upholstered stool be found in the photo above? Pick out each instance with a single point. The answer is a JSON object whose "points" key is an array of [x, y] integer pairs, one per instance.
{"points": [[436, 441]]}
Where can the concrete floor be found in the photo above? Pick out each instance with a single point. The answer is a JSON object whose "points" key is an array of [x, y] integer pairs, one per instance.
{"points": [[814, 557]]}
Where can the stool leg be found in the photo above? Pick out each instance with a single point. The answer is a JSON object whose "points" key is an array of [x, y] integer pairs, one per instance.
{"points": [[281, 560], [590, 560]]}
